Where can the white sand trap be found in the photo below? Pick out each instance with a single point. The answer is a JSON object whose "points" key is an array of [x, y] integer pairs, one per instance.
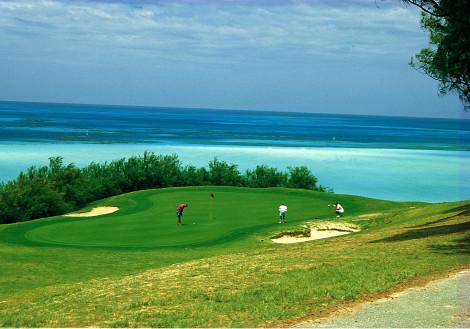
{"points": [[318, 231], [98, 211]]}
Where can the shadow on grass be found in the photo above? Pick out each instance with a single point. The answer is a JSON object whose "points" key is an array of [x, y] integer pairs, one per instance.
{"points": [[457, 246], [457, 212], [462, 210], [427, 232]]}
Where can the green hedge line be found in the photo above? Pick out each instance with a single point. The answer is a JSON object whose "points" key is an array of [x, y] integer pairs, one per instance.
{"points": [[59, 188]]}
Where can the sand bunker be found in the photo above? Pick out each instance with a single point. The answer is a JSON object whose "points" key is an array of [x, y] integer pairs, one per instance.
{"points": [[315, 232], [98, 211]]}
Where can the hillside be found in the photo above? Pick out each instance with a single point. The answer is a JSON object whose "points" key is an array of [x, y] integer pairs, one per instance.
{"points": [[136, 267]]}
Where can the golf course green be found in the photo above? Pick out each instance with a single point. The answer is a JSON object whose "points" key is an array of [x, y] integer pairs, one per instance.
{"points": [[147, 218], [137, 267]]}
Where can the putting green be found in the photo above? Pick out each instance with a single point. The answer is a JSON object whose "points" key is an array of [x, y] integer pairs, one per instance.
{"points": [[147, 218]]}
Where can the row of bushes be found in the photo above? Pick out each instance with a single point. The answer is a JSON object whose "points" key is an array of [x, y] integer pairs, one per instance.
{"points": [[59, 188]]}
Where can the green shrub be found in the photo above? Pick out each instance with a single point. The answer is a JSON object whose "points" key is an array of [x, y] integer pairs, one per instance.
{"points": [[301, 177], [58, 188]]}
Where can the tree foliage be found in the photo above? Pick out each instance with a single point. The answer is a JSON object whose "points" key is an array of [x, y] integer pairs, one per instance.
{"points": [[264, 176], [59, 188], [301, 177], [222, 173], [447, 59]]}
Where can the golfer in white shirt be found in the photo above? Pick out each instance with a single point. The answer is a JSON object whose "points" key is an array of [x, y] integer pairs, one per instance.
{"points": [[338, 208], [282, 213]]}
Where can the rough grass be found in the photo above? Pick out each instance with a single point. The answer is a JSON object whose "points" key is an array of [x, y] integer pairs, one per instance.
{"points": [[248, 282]]}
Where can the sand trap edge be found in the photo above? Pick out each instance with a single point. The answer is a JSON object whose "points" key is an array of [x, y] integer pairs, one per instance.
{"points": [[98, 211], [317, 232]]}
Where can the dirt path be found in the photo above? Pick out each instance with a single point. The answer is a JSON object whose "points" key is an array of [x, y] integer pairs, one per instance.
{"points": [[441, 303]]}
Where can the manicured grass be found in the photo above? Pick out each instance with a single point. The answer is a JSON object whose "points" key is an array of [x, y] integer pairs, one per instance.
{"points": [[147, 218], [136, 267]]}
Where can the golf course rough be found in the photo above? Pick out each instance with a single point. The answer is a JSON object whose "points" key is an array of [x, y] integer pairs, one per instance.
{"points": [[443, 303], [137, 268]]}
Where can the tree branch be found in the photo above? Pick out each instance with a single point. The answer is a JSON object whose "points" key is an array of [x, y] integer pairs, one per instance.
{"points": [[423, 71], [420, 5]]}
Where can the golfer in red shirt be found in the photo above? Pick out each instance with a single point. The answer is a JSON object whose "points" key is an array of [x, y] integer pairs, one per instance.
{"points": [[179, 212]]}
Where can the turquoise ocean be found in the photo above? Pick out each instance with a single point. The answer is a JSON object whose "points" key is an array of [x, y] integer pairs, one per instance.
{"points": [[394, 158]]}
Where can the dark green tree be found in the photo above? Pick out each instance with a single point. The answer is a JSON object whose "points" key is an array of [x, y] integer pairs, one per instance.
{"points": [[192, 176], [222, 173], [301, 177], [264, 176], [447, 59]]}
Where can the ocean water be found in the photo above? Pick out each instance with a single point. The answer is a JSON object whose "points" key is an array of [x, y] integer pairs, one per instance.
{"points": [[402, 159]]}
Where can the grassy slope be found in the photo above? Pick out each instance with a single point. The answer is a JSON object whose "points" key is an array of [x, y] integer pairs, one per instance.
{"points": [[223, 271]]}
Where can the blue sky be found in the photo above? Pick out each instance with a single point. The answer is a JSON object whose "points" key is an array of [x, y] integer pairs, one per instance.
{"points": [[305, 56]]}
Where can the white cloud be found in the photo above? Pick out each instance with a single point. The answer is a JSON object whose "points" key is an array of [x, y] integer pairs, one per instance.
{"points": [[210, 32]]}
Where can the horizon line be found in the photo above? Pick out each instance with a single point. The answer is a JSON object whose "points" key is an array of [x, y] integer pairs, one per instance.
{"points": [[231, 109]]}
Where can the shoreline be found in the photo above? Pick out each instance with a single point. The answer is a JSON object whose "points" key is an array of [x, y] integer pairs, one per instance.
{"points": [[376, 173], [225, 146]]}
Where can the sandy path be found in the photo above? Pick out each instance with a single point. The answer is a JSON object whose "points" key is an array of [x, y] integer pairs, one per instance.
{"points": [[98, 211], [441, 303]]}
